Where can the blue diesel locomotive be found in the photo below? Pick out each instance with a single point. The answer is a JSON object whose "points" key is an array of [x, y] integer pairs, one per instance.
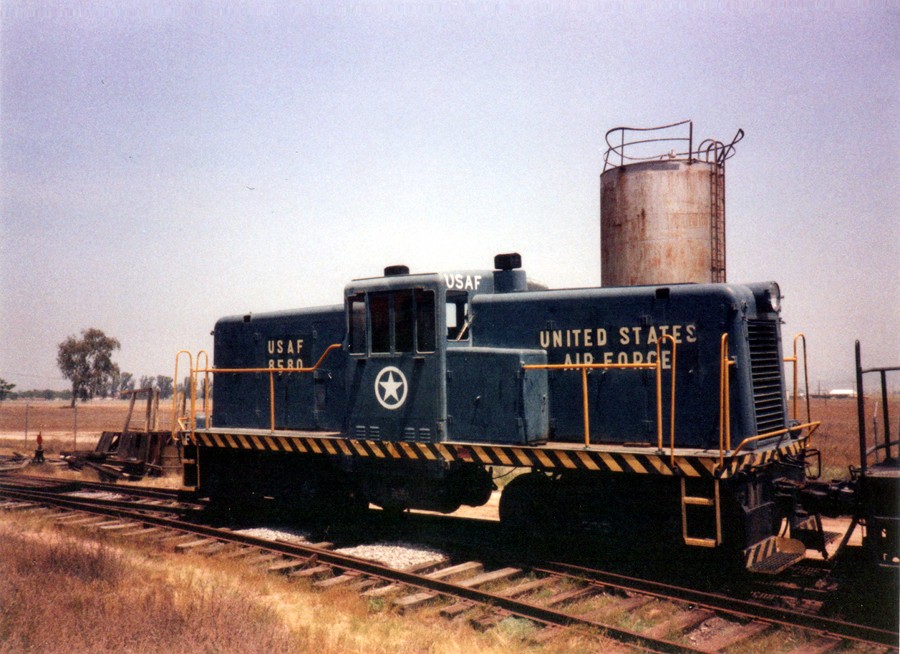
{"points": [[660, 407]]}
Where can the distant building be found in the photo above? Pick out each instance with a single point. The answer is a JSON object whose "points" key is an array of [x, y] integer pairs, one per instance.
{"points": [[842, 392]]}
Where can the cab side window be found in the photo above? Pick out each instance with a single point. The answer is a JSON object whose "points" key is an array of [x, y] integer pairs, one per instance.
{"points": [[379, 310], [400, 322], [357, 326], [426, 316], [404, 321], [457, 315]]}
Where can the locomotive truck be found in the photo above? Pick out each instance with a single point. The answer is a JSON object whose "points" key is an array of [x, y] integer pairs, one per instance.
{"points": [[659, 406]]}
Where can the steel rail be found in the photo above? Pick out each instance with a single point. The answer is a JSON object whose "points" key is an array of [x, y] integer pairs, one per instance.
{"points": [[170, 494], [135, 505], [726, 604], [75, 485], [371, 569]]}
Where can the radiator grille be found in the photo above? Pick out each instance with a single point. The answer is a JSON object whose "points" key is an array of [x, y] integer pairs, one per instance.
{"points": [[765, 367]]}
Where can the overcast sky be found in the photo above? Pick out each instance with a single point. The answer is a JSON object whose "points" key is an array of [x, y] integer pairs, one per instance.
{"points": [[165, 164]]}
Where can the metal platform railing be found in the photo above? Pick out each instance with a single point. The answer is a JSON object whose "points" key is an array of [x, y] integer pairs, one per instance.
{"points": [[190, 424], [886, 447], [629, 145]]}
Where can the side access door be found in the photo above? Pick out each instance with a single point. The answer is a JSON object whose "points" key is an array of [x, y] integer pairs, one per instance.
{"points": [[396, 373]]}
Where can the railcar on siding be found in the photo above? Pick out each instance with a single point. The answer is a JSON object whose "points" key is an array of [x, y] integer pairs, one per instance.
{"points": [[659, 407]]}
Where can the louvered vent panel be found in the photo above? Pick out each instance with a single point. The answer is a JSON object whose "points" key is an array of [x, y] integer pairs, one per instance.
{"points": [[768, 385]]}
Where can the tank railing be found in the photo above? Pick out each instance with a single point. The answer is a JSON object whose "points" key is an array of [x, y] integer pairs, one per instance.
{"points": [[258, 371], [717, 152], [618, 149], [657, 367], [795, 360], [888, 444], [621, 151]]}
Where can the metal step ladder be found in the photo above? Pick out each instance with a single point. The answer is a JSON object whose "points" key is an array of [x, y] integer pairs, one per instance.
{"points": [[713, 503], [717, 224]]}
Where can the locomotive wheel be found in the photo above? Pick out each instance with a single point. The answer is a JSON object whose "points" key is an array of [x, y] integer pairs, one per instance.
{"points": [[524, 507]]}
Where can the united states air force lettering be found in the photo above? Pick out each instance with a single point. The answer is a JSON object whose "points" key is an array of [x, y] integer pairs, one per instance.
{"points": [[284, 353], [617, 345]]}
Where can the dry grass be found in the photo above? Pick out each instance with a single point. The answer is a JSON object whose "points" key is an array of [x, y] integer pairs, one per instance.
{"points": [[66, 594], [73, 592]]}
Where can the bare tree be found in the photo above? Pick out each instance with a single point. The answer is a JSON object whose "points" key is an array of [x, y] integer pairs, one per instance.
{"points": [[87, 362]]}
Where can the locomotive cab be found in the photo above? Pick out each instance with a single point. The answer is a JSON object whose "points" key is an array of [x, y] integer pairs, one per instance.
{"points": [[396, 368], [414, 374]]}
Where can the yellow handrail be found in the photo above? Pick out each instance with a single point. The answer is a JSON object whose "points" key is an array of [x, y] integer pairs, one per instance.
{"points": [[725, 403], [672, 394], [812, 426], [206, 406], [271, 372], [175, 422], [724, 398], [584, 367], [795, 360], [672, 399]]}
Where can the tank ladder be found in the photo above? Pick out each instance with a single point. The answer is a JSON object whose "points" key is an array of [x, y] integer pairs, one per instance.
{"points": [[717, 224], [713, 503]]}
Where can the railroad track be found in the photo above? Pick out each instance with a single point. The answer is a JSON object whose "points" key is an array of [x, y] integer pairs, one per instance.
{"points": [[554, 596], [159, 500]]}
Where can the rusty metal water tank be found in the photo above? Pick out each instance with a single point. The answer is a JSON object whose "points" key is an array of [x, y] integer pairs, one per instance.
{"points": [[662, 206]]}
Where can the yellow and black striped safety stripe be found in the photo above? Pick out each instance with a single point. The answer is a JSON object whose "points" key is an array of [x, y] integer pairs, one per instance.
{"points": [[763, 550], [773, 554], [598, 458], [759, 458]]}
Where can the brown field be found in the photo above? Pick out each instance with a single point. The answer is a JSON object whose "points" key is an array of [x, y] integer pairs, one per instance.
{"points": [[56, 421], [838, 438]]}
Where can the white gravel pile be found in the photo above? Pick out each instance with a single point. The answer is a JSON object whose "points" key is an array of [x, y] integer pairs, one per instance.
{"points": [[97, 495], [287, 535], [395, 555]]}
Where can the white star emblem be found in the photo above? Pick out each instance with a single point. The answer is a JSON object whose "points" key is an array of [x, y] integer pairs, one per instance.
{"points": [[390, 388]]}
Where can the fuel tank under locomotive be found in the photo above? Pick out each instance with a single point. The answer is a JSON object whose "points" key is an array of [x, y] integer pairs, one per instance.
{"points": [[331, 484]]}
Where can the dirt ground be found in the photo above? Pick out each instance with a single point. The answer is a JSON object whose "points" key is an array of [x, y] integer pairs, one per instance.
{"points": [[21, 420]]}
